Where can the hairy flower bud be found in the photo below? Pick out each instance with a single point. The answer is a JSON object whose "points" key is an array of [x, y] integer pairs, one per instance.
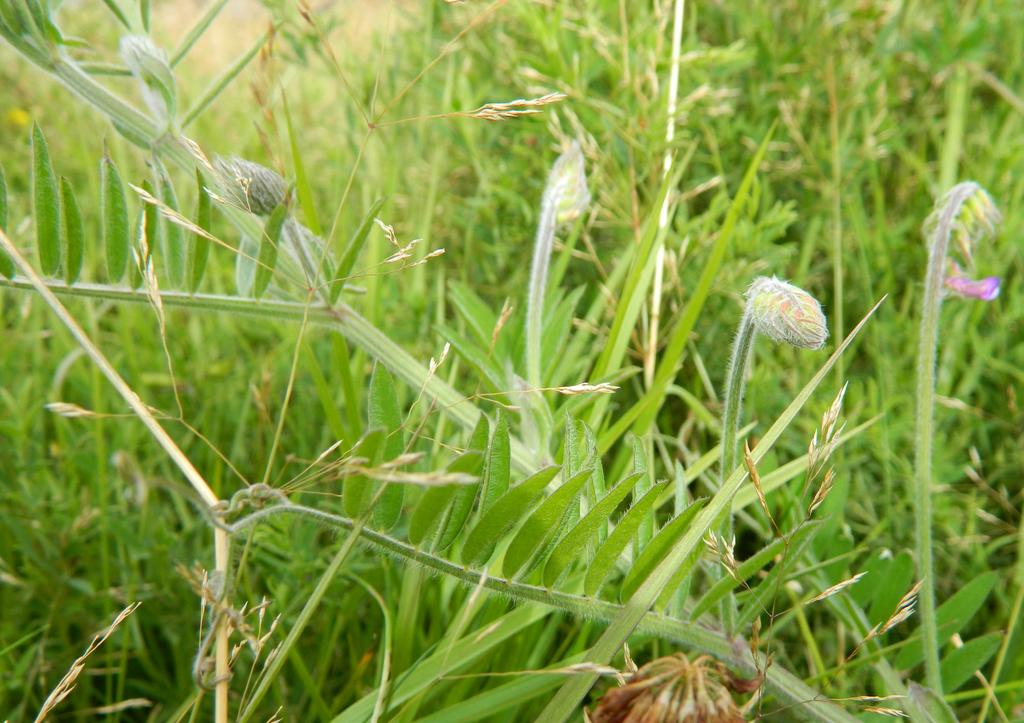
{"points": [[567, 185], [254, 187], [149, 65], [968, 214], [786, 313]]}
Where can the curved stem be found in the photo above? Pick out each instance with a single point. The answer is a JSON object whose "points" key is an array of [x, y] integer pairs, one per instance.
{"points": [[789, 689], [538, 284], [928, 339], [742, 350]]}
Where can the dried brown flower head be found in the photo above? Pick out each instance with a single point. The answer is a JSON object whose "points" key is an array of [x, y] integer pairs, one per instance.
{"points": [[675, 689]]}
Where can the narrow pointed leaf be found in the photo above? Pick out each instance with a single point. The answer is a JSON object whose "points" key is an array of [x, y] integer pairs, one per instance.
{"points": [[544, 523], [962, 663], [462, 501], [571, 546], [750, 566], [352, 249], [951, 616], [116, 236], [503, 515], [658, 548], [74, 232], [436, 503], [608, 553], [496, 471], [245, 265], [266, 262], [199, 246], [355, 494], [46, 206], [383, 412]]}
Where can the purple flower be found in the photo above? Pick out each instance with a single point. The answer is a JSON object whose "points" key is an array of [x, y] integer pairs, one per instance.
{"points": [[985, 289]]}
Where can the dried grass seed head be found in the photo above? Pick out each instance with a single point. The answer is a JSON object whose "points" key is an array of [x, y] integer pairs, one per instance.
{"points": [[786, 313]]}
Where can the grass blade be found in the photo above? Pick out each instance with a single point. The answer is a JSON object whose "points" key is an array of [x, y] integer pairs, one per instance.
{"points": [[6, 264]]}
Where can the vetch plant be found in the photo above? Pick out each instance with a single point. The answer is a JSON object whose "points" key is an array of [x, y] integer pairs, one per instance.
{"points": [[966, 215]]}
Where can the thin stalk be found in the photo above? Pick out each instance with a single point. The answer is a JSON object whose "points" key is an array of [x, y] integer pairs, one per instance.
{"points": [[222, 550], [542, 246], [741, 352], [928, 340]]}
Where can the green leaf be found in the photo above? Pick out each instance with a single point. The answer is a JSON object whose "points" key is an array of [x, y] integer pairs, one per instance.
{"points": [[473, 309], [245, 265], [302, 187], [355, 494], [46, 206], [887, 590], [503, 515], [657, 549], [173, 236], [750, 566], [933, 708], [961, 664], [496, 471], [462, 501], [545, 523], [74, 232], [198, 245], [756, 600], [436, 502], [608, 553], [572, 545], [116, 236], [6, 264], [267, 258], [218, 85], [383, 412], [352, 249], [951, 617]]}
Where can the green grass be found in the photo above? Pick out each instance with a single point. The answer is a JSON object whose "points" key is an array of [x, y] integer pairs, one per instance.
{"points": [[96, 516]]}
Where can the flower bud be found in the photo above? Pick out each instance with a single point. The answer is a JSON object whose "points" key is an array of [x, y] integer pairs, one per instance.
{"points": [[254, 187], [968, 214], [149, 65], [567, 185], [786, 313]]}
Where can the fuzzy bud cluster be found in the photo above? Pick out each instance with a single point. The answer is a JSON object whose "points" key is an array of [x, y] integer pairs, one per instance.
{"points": [[786, 313], [254, 187], [567, 185], [149, 64]]}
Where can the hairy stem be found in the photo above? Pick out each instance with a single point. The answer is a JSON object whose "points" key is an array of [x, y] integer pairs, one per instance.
{"points": [[742, 350], [928, 340], [538, 284], [784, 685]]}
